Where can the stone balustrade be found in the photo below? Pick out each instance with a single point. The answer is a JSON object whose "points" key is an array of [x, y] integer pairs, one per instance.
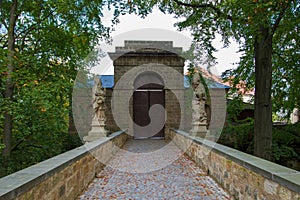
{"points": [[244, 176], [64, 176]]}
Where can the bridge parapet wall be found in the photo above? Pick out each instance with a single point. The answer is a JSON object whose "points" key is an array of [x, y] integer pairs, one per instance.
{"points": [[64, 176], [244, 176]]}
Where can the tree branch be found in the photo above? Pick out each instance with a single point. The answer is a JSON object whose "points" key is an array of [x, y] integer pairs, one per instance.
{"points": [[28, 145], [25, 32], [280, 57], [10, 47], [17, 144], [25, 36], [278, 20], [217, 10], [4, 24], [292, 59]]}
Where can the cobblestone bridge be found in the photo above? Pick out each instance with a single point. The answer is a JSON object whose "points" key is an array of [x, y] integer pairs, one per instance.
{"points": [[139, 173], [180, 167]]}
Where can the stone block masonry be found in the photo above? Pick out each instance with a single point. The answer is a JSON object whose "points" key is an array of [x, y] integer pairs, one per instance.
{"points": [[218, 110], [174, 111], [244, 176], [64, 176], [110, 123], [134, 59]]}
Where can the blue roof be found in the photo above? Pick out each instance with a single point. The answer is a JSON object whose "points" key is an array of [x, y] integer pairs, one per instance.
{"points": [[186, 82], [107, 81], [215, 85], [210, 84]]}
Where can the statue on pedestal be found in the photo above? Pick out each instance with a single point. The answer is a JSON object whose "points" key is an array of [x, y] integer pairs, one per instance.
{"points": [[99, 103], [98, 122], [199, 117]]}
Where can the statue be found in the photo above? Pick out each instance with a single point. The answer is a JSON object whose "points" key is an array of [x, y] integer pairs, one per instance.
{"points": [[199, 99], [99, 101], [199, 117], [99, 118]]}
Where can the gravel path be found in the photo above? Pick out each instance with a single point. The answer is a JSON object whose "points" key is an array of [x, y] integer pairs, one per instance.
{"points": [[152, 169]]}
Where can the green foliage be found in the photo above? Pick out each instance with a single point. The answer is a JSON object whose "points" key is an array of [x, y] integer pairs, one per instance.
{"points": [[234, 107], [268, 36], [286, 141], [285, 146], [40, 125], [280, 152], [50, 39], [285, 51], [238, 136], [1, 146], [191, 71], [36, 150]]}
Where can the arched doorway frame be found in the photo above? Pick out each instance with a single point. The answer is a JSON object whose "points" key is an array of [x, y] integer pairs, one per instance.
{"points": [[148, 91]]}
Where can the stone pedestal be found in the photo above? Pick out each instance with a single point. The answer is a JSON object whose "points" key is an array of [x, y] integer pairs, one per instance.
{"points": [[98, 131], [198, 129], [98, 123]]}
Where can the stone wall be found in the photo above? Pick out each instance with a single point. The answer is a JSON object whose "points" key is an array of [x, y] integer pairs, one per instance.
{"points": [[82, 108], [244, 176], [64, 176], [110, 122], [175, 114], [132, 60], [218, 110]]}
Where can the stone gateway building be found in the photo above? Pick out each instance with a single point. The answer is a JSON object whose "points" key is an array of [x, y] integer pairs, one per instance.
{"points": [[149, 94], [146, 73]]}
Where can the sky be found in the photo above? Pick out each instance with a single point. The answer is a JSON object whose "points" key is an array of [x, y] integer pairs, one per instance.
{"points": [[159, 26]]}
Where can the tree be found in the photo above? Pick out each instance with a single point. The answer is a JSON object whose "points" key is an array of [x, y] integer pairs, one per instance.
{"points": [[268, 34], [42, 42]]}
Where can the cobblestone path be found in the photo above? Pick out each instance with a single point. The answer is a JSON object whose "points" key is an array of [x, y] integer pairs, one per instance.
{"points": [[152, 169]]}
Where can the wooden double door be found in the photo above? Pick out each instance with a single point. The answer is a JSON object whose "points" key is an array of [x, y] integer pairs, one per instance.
{"points": [[147, 126]]}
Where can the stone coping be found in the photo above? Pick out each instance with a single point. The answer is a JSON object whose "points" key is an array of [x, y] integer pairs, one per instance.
{"points": [[23, 180], [282, 175], [115, 56]]}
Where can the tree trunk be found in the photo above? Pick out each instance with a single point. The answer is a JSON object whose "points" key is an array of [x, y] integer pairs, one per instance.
{"points": [[8, 93], [263, 102]]}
